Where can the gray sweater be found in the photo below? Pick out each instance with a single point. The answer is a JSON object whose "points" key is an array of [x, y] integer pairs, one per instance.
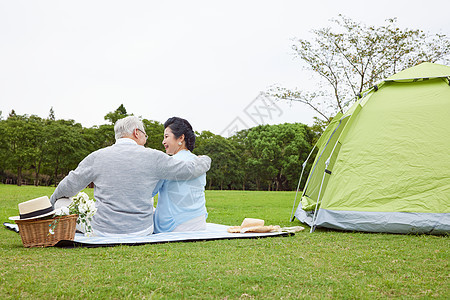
{"points": [[124, 176]]}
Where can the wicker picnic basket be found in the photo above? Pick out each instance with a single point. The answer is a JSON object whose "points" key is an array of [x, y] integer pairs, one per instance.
{"points": [[35, 232]]}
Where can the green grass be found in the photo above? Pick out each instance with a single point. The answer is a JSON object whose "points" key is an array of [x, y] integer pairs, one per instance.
{"points": [[325, 264]]}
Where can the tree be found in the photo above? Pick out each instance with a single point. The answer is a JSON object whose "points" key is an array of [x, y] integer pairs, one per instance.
{"points": [[20, 132], [51, 114], [353, 57], [249, 176], [119, 113], [66, 146], [226, 170], [38, 140], [155, 132], [3, 145], [277, 152], [4, 149], [100, 136]]}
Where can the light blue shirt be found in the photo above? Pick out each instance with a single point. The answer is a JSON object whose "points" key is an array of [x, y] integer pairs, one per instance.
{"points": [[179, 201]]}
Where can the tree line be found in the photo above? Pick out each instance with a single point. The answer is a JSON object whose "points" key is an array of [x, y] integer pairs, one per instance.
{"points": [[42, 151]]}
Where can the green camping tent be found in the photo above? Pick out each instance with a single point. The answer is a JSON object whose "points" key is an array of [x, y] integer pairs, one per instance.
{"points": [[384, 165]]}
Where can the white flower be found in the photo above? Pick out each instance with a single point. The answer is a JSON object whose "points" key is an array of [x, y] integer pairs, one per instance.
{"points": [[83, 208], [64, 210], [84, 197], [91, 207]]}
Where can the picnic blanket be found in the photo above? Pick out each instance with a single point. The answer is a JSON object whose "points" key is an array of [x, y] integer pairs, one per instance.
{"points": [[212, 232]]}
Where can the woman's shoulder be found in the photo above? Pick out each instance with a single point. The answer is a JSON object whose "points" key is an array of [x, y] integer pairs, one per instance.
{"points": [[185, 155]]}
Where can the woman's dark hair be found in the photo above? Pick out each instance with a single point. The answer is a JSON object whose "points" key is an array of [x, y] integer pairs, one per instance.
{"points": [[180, 126]]}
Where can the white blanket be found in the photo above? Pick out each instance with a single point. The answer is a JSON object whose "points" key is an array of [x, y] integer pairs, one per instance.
{"points": [[212, 232]]}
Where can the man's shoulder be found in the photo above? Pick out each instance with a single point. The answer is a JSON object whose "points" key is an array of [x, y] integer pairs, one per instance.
{"points": [[105, 149], [139, 149], [120, 148]]}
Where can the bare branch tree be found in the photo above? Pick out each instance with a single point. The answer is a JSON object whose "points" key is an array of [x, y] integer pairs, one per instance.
{"points": [[352, 57]]}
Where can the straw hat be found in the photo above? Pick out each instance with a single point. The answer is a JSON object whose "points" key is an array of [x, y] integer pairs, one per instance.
{"points": [[253, 225], [35, 208]]}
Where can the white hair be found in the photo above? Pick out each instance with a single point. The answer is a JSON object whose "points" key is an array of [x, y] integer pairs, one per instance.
{"points": [[125, 127]]}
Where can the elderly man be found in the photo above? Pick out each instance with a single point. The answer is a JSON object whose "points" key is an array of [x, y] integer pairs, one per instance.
{"points": [[124, 176]]}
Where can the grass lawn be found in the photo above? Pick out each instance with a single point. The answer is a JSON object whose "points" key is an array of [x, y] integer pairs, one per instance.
{"points": [[325, 264]]}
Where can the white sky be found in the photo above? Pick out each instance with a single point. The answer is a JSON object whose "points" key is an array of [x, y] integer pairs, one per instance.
{"points": [[205, 61]]}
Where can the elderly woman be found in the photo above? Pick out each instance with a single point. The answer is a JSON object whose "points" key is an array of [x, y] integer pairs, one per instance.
{"points": [[181, 203]]}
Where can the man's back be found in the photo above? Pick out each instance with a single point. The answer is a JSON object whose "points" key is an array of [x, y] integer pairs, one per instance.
{"points": [[124, 180]]}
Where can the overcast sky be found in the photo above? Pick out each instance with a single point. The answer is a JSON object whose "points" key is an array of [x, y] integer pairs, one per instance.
{"points": [[205, 61]]}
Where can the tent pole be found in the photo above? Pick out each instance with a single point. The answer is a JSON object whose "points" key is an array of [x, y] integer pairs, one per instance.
{"points": [[300, 180], [296, 193], [326, 171], [313, 226], [314, 168], [320, 155]]}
